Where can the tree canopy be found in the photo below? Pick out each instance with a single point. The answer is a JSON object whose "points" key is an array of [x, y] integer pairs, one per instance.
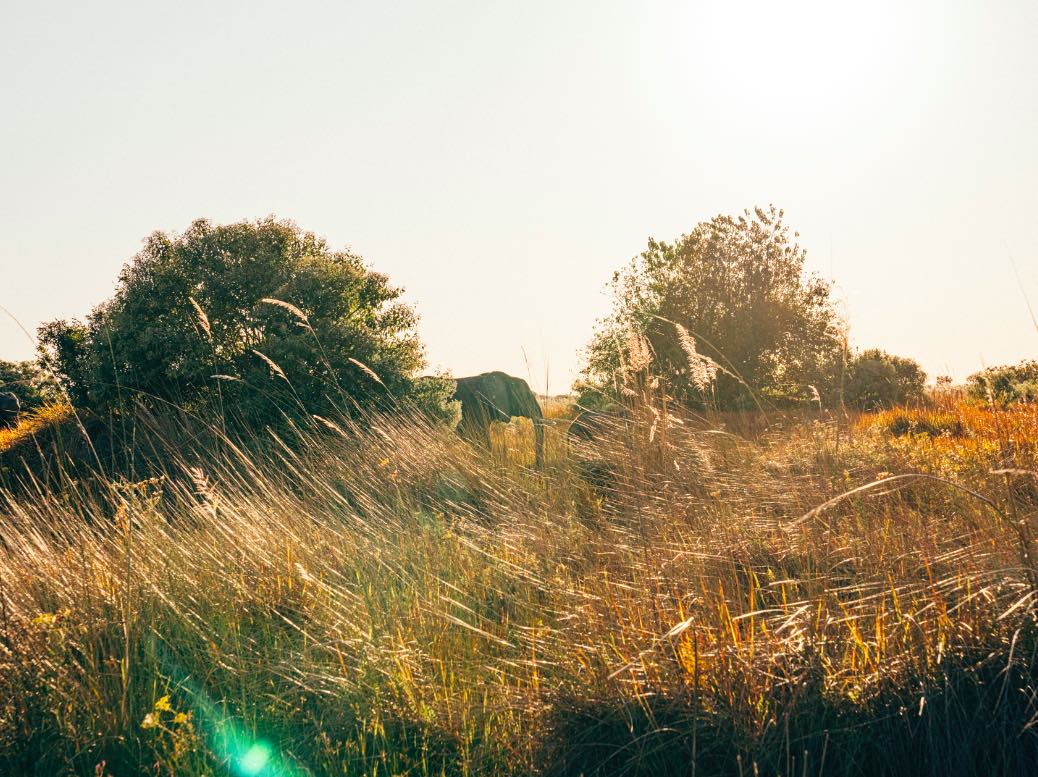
{"points": [[28, 382], [1005, 384], [259, 317], [877, 379], [736, 287]]}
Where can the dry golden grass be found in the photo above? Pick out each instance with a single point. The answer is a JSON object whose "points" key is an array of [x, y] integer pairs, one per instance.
{"points": [[32, 423], [387, 600], [958, 437]]}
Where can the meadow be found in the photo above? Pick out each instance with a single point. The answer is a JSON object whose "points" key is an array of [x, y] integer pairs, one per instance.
{"points": [[778, 593]]}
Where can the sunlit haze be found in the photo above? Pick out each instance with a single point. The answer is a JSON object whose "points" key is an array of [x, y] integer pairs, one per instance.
{"points": [[501, 160]]}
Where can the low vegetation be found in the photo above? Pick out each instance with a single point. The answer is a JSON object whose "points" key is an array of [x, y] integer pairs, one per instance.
{"points": [[380, 598], [44, 421]]}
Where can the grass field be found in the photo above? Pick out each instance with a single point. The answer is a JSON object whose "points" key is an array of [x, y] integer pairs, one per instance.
{"points": [[777, 595]]}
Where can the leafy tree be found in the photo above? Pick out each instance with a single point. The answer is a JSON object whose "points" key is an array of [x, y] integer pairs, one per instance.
{"points": [[878, 379], [31, 384], [737, 287], [258, 318], [1006, 384]]}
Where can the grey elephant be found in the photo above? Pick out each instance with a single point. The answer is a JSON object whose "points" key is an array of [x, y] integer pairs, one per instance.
{"points": [[10, 407], [495, 396]]}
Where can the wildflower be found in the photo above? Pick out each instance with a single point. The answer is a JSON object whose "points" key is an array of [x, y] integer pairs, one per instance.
{"points": [[45, 619]]}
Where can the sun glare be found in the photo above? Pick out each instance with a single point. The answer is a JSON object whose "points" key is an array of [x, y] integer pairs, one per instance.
{"points": [[793, 60]]}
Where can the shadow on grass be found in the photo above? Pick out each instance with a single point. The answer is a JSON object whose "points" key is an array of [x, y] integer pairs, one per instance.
{"points": [[976, 721]]}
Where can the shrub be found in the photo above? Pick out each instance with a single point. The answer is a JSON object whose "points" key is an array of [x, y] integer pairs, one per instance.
{"points": [[877, 379], [1007, 384], [258, 319], [29, 382]]}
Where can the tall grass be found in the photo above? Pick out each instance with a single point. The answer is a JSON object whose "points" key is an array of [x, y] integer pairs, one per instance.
{"points": [[33, 422], [377, 598]]}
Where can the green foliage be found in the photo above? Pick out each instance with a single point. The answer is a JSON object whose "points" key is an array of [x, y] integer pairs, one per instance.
{"points": [[29, 382], [257, 318], [877, 379], [1007, 384], [737, 285], [593, 395]]}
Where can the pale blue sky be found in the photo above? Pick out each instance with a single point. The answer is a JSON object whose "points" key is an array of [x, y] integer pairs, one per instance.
{"points": [[501, 159]]}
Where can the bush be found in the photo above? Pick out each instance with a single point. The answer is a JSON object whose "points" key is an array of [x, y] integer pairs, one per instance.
{"points": [[877, 379], [258, 319], [29, 382], [1007, 384]]}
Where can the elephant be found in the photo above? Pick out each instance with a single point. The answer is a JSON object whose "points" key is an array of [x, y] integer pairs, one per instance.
{"points": [[10, 408], [495, 396]]}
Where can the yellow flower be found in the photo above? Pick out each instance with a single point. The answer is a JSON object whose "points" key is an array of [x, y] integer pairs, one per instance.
{"points": [[151, 720], [162, 705], [182, 717]]}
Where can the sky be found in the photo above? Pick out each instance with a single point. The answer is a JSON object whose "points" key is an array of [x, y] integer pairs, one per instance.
{"points": [[500, 160]]}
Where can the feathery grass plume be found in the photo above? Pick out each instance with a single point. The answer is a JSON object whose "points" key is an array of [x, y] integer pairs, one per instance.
{"points": [[203, 489], [639, 351], [366, 370], [274, 368], [702, 369], [329, 424], [815, 396], [203, 319], [289, 307]]}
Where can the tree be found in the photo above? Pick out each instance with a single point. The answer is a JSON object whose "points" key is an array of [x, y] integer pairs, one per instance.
{"points": [[877, 379], [1006, 384], [26, 380], [257, 318], [736, 286]]}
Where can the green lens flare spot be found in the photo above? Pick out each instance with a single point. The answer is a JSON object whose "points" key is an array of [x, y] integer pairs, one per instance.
{"points": [[254, 760]]}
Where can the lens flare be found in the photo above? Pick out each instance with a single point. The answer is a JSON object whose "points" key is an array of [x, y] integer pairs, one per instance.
{"points": [[245, 755], [254, 760]]}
